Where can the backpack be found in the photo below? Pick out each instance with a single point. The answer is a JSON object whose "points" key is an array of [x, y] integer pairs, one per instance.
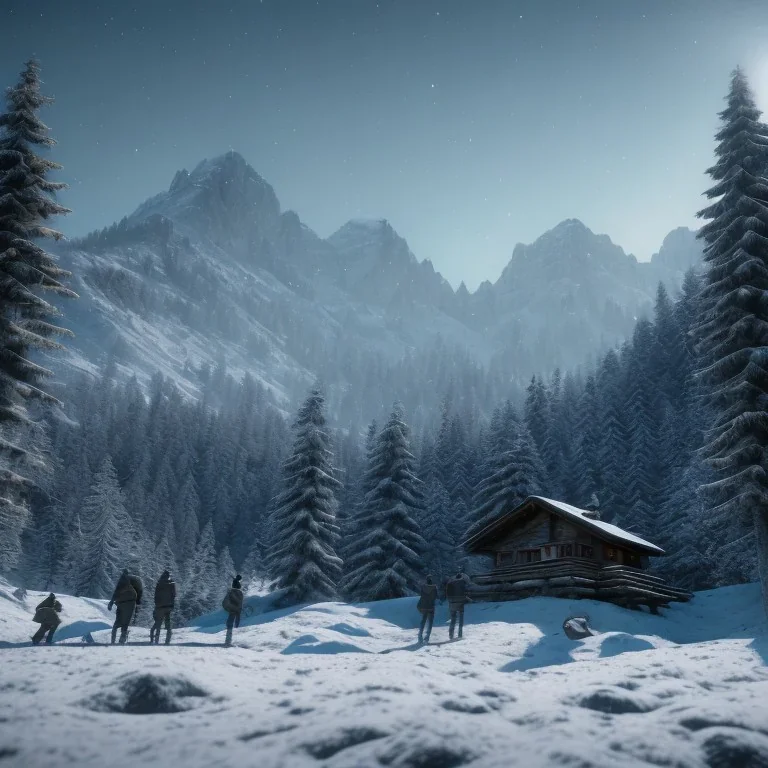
{"points": [[126, 594], [233, 601]]}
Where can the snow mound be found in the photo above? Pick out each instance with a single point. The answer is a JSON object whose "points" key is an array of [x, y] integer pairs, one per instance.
{"points": [[147, 694], [615, 701]]}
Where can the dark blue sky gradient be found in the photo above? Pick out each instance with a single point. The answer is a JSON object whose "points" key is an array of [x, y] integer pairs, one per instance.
{"points": [[469, 125]]}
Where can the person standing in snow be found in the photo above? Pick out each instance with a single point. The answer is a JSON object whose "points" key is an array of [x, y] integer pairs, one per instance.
{"points": [[233, 605], [456, 593], [426, 606], [165, 599], [47, 616], [127, 596]]}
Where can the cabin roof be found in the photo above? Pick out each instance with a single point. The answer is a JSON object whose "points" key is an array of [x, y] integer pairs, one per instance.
{"points": [[606, 531]]}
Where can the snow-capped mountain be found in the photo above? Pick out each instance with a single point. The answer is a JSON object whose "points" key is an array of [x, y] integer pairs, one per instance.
{"points": [[212, 271]]}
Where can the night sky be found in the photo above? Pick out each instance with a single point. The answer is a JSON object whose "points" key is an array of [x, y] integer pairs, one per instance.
{"points": [[469, 125]]}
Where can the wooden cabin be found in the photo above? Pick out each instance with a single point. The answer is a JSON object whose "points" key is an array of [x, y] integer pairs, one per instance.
{"points": [[547, 547]]}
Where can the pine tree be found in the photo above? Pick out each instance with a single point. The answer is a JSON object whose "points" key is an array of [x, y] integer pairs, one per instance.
{"points": [[586, 454], [225, 567], [303, 560], [202, 588], [26, 270], [388, 557], [643, 428], [734, 331], [440, 551], [350, 533], [613, 458], [519, 473], [107, 535]]}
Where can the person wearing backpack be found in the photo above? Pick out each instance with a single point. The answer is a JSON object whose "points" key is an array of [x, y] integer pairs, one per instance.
{"points": [[165, 599], [127, 596], [47, 616], [233, 605]]}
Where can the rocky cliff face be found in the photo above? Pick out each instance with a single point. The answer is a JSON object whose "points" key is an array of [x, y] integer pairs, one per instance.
{"points": [[213, 270]]}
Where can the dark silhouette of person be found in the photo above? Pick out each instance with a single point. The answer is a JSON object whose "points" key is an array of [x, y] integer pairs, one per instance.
{"points": [[233, 605], [47, 616], [426, 606], [127, 596], [165, 599], [456, 594]]}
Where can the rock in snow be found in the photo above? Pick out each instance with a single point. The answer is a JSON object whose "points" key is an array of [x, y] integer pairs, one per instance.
{"points": [[345, 686]]}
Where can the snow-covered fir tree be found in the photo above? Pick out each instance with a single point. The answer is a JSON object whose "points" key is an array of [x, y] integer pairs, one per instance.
{"points": [[26, 271], [734, 330], [107, 535], [515, 475], [303, 560], [202, 588], [387, 561], [435, 524]]}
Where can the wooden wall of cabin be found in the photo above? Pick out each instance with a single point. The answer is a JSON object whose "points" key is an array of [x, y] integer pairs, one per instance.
{"points": [[531, 532]]}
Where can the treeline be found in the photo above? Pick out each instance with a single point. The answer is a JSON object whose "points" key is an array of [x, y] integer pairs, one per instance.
{"points": [[155, 480]]}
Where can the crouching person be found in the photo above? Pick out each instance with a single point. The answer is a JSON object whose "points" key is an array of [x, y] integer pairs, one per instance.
{"points": [[426, 606], [165, 599], [47, 616], [233, 605], [127, 596]]}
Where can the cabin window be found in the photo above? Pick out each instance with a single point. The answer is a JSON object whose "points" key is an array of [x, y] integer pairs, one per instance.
{"points": [[612, 554], [586, 551], [529, 556], [565, 550]]}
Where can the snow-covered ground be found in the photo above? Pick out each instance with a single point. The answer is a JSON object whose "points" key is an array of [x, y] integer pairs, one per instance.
{"points": [[345, 685]]}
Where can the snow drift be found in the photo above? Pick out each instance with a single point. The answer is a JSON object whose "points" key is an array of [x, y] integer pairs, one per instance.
{"points": [[346, 685]]}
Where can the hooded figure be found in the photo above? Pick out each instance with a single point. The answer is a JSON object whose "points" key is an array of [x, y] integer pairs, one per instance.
{"points": [[233, 605], [456, 593], [165, 599], [127, 596], [47, 616], [426, 605]]}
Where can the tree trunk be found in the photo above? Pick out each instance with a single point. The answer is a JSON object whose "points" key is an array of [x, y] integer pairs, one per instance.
{"points": [[761, 529]]}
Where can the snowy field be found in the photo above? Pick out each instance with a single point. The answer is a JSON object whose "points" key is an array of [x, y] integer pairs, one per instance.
{"points": [[345, 685]]}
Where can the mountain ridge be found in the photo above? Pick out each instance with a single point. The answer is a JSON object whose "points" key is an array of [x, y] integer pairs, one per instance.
{"points": [[213, 268]]}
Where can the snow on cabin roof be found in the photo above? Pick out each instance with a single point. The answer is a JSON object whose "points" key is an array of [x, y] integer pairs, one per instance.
{"points": [[611, 530]]}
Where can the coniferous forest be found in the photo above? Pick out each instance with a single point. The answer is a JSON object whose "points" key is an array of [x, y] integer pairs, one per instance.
{"points": [[667, 433]]}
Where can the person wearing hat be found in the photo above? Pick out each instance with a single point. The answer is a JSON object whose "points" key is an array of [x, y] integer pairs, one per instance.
{"points": [[233, 605], [165, 599], [47, 616]]}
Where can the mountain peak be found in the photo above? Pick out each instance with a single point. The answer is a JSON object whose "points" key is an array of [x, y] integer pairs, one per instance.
{"points": [[223, 199], [569, 227]]}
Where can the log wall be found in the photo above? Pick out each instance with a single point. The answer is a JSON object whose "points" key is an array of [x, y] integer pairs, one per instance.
{"points": [[575, 578]]}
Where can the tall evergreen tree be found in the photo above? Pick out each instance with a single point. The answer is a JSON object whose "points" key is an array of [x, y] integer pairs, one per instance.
{"points": [[519, 473], [107, 535], [202, 588], [643, 426], [26, 270], [440, 551], [734, 330], [388, 558], [304, 560]]}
